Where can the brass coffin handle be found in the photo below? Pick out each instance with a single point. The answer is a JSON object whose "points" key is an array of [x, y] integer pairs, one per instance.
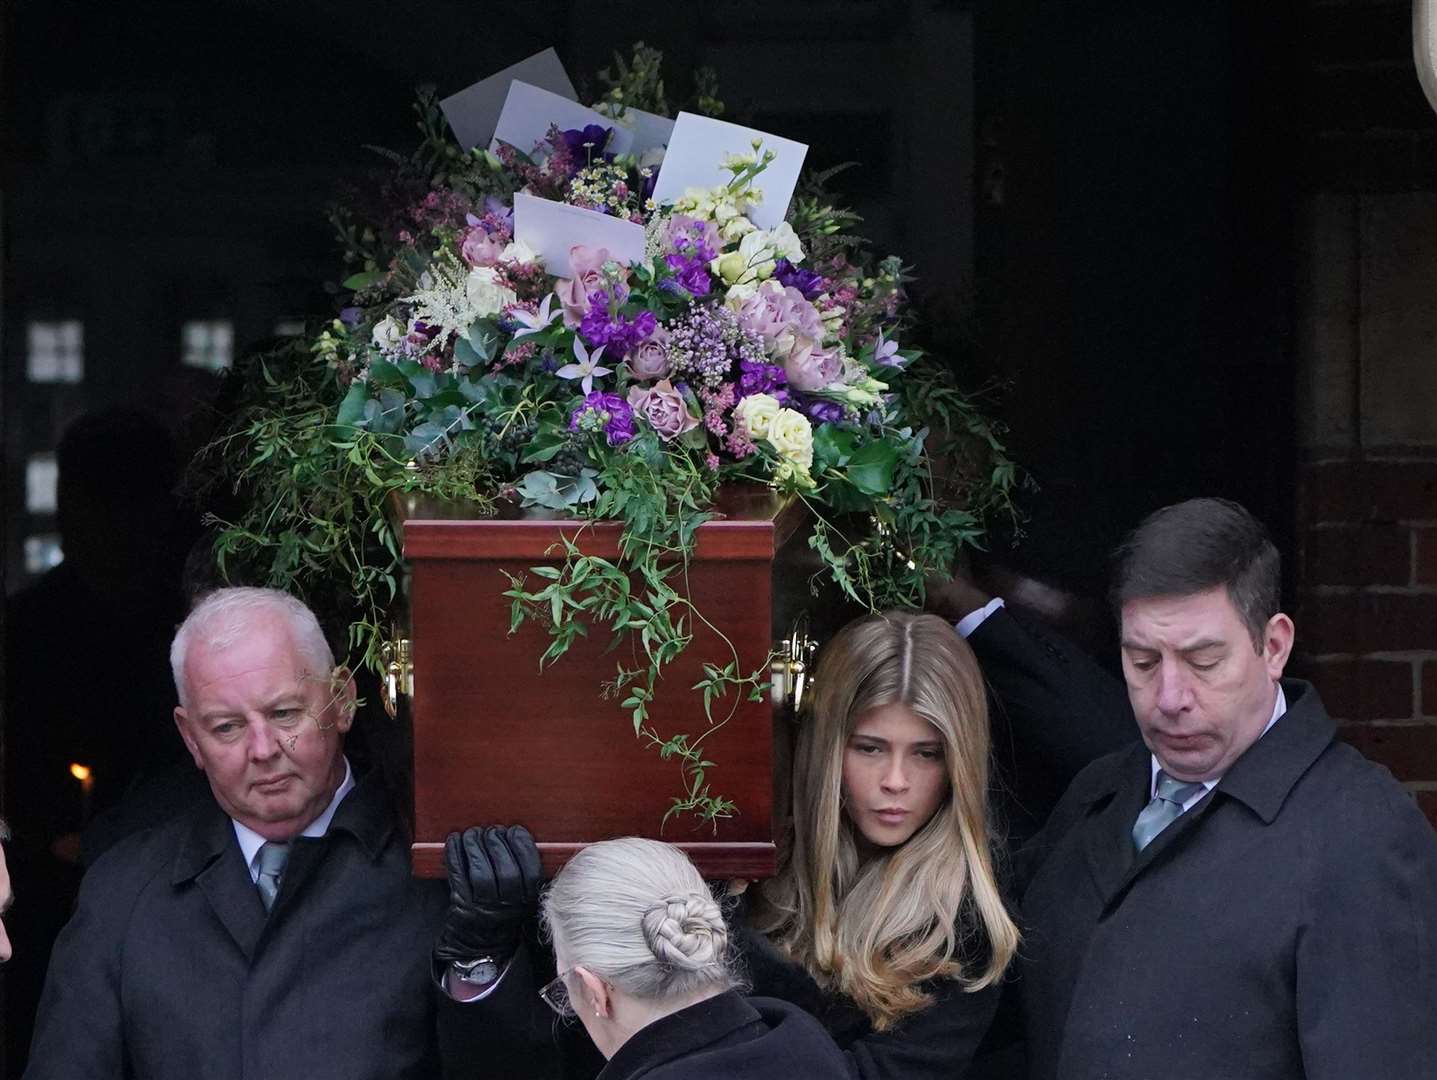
{"points": [[397, 658], [792, 668]]}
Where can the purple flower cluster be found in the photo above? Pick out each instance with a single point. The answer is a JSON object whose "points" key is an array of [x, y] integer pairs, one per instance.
{"points": [[808, 282], [604, 325], [694, 244], [607, 413], [822, 412], [708, 342], [759, 377]]}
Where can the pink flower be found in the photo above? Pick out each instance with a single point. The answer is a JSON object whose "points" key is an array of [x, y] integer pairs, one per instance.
{"points": [[650, 360], [479, 248], [588, 266], [664, 408], [811, 368]]}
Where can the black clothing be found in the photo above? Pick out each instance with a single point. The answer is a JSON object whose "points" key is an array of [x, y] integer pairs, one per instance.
{"points": [[512, 1032], [1284, 928], [729, 1037], [170, 969]]}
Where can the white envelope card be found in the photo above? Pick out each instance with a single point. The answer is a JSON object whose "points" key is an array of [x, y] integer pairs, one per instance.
{"points": [[551, 228], [529, 112], [473, 113], [699, 143], [650, 129]]}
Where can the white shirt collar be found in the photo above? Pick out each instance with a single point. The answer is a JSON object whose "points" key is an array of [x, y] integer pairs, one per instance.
{"points": [[1279, 706], [250, 841]]}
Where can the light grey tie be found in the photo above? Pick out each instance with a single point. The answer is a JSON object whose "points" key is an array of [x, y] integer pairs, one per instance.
{"points": [[272, 857], [1166, 807]]}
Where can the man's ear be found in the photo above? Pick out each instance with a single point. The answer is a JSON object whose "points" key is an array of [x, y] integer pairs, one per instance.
{"points": [[1278, 637], [345, 697], [595, 997], [182, 723]]}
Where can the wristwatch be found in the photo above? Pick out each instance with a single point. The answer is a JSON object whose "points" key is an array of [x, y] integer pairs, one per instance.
{"points": [[479, 972]]}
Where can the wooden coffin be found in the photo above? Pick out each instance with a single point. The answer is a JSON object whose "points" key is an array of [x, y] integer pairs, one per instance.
{"points": [[497, 741]]}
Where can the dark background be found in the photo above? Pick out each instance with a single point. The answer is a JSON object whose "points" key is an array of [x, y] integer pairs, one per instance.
{"points": [[1098, 199]]}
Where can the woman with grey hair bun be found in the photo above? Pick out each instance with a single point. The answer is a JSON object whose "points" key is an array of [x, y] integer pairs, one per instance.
{"points": [[643, 957]]}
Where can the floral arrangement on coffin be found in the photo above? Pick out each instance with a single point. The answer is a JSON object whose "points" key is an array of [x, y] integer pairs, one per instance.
{"points": [[610, 387]]}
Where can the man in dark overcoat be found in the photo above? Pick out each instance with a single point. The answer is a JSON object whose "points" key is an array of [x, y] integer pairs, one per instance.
{"points": [[274, 932], [1239, 894]]}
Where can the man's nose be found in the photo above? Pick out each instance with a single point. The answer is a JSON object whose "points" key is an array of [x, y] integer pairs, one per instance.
{"points": [[4, 943], [1174, 687], [263, 741]]}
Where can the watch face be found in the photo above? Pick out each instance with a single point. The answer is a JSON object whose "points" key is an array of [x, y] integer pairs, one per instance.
{"points": [[480, 972]]}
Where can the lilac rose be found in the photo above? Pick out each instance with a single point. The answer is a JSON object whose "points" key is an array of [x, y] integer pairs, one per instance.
{"points": [[664, 408], [650, 359], [811, 368]]}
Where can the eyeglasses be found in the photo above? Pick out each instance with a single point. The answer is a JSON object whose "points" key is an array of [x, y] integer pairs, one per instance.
{"points": [[555, 993]]}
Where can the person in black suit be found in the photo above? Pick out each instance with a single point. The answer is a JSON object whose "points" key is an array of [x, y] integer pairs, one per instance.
{"points": [[274, 931], [1238, 894], [644, 963]]}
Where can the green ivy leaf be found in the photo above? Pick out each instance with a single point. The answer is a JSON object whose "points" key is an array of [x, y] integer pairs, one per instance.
{"points": [[870, 469]]}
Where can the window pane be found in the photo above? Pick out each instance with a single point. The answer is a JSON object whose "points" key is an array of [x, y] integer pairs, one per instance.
{"points": [[207, 343], [41, 474], [42, 552], [55, 351]]}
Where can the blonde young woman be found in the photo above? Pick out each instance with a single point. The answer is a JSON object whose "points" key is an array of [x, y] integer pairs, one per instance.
{"points": [[885, 921]]}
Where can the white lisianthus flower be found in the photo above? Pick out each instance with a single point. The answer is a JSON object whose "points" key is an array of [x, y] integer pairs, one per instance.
{"points": [[739, 161], [755, 414], [388, 334], [791, 436], [486, 294], [736, 228], [737, 294], [516, 252], [785, 244]]}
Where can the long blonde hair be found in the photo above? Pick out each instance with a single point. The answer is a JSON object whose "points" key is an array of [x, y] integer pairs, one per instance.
{"points": [[876, 930]]}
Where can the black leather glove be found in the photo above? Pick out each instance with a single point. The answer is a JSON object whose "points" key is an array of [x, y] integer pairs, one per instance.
{"points": [[494, 877]]}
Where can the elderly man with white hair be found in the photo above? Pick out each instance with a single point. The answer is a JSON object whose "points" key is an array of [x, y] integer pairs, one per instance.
{"points": [[275, 932]]}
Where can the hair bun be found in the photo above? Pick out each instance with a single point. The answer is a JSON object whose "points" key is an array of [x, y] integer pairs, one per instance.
{"points": [[686, 931]]}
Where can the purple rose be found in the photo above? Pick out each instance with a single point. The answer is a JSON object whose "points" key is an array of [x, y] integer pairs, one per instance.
{"points": [[650, 359], [664, 408]]}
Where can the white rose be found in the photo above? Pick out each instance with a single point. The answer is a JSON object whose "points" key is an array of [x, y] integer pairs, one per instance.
{"points": [[388, 334], [486, 295], [791, 435], [756, 412], [518, 252]]}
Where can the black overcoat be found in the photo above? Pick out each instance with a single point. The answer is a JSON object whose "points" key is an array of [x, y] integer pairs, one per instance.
{"points": [[170, 969], [1285, 928], [730, 1037]]}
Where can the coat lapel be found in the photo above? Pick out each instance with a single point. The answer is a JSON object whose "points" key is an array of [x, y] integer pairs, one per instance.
{"points": [[210, 858], [1109, 840]]}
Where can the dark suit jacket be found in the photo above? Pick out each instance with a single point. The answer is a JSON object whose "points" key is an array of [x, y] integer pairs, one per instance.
{"points": [[730, 1037], [170, 969], [1285, 928]]}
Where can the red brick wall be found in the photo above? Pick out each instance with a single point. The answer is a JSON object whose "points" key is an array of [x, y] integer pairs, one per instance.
{"points": [[1366, 335], [1367, 615]]}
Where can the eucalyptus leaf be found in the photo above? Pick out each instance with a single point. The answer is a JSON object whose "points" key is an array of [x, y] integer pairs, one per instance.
{"points": [[351, 409]]}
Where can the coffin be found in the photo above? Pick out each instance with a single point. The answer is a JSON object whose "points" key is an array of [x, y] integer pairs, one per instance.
{"points": [[497, 741]]}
